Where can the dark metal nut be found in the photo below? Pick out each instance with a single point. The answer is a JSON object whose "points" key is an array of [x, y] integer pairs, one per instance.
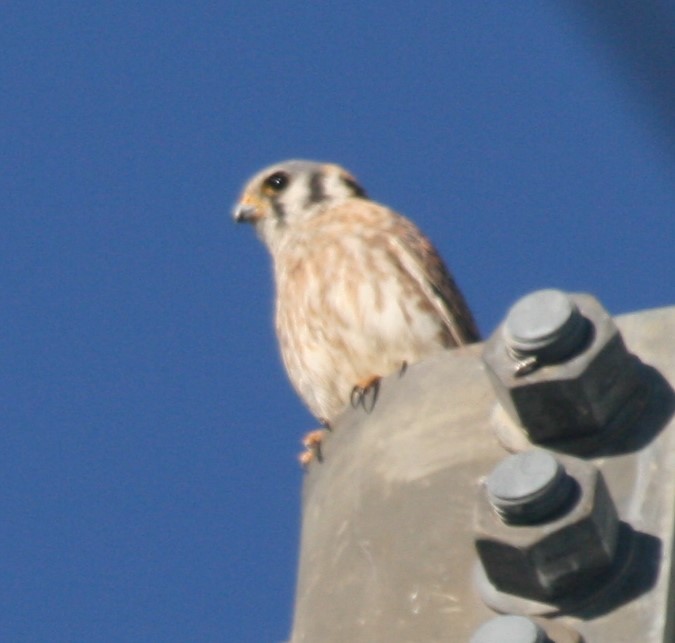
{"points": [[556, 557], [571, 398]]}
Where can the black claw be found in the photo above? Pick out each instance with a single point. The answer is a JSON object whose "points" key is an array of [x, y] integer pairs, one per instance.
{"points": [[356, 396], [369, 396], [365, 397]]}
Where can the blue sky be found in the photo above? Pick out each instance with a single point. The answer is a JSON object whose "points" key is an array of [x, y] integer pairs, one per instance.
{"points": [[148, 483]]}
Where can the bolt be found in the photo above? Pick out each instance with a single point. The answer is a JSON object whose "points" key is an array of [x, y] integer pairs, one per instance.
{"points": [[514, 629], [528, 487], [561, 371], [544, 327], [564, 541]]}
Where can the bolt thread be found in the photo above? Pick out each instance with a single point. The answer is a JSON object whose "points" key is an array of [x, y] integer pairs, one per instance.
{"points": [[529, 488]]}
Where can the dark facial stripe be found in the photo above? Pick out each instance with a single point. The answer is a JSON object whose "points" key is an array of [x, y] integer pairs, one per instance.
{"points": [[316, 191], [278, 208], [355, 188]]}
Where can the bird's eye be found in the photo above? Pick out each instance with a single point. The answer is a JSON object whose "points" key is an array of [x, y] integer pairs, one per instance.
{"points": [[276, 182]]}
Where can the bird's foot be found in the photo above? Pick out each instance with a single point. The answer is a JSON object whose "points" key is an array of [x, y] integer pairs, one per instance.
{"points": [[312, 443], [365, 393]]}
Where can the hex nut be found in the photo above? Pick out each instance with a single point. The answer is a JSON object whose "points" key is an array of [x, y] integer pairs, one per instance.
{"points": [[573, 397], [556, 557]]}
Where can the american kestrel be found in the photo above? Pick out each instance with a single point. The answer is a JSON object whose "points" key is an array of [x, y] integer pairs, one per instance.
{"points": [[360, 291]]}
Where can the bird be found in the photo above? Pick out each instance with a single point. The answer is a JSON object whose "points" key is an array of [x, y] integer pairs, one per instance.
{"points": [[361, 292]]}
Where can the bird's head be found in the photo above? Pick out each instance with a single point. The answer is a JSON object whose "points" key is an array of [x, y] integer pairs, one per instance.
{"points": [[286, 195]]}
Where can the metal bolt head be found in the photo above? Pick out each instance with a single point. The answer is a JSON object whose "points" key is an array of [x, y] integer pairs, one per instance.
{"points": [[561, 372], [547, 325], [511, 629], [528, 487], [557, 556]]}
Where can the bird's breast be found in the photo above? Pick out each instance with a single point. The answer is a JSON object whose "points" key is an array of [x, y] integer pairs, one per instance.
{"points": [[347, 310]]}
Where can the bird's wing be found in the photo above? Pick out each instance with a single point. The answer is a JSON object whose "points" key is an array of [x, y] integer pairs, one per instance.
{"points": [[425, 266]]}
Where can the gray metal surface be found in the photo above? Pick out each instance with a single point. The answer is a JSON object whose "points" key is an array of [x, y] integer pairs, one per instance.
{"points": [[387, 551]]}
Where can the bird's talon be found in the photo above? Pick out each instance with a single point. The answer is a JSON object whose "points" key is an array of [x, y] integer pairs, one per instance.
{"points": [[365, 393], [312, 443]]}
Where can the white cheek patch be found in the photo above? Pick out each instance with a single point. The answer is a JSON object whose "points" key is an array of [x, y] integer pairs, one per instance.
{"points": [[335, 187], [333, 184], [274, 227], [293, 199]]}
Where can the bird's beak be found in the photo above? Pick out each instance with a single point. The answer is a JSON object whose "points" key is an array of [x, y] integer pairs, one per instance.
{"points": [[248, 210]]}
